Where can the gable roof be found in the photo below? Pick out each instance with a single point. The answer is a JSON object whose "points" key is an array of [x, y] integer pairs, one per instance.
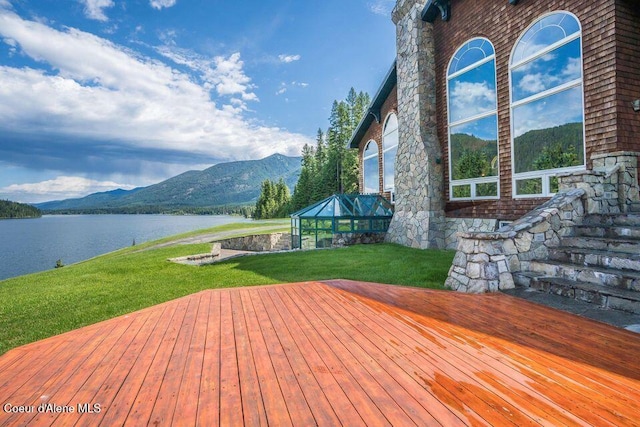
{"points": [[373, 112]]}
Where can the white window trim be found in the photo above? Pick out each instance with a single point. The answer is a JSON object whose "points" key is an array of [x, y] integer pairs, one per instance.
{"points": [[386, 148], [548, 173], [370, 156], [481, 180]]}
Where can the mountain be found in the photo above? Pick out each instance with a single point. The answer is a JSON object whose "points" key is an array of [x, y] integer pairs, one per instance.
{"points": [[10, 209], [233, 183], [531, 145]]}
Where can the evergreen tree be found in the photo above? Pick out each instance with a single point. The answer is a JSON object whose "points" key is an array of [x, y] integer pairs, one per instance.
{"points": [[274, 200], [18, 210], [333, 167]]}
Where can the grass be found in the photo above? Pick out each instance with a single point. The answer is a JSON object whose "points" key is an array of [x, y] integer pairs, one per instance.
{"points": [[40, 305]]}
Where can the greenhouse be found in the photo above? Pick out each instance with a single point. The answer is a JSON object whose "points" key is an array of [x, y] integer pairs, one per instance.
{"points": [[341, 219]]}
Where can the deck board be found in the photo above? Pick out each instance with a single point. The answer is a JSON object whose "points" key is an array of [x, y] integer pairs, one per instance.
{"points": [[331, 353]]}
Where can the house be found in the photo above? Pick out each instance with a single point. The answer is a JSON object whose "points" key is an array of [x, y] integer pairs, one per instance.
{"points": [[497, 108]]}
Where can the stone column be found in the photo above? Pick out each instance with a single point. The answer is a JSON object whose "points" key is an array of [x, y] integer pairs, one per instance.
{"points": [[418, 220]]}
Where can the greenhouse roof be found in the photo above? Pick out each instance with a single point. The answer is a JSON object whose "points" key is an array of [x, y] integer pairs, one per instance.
{"points": [[347, 206]]}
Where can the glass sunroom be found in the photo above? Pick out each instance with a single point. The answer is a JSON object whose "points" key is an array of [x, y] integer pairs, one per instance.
{"points": [[317, 225]]}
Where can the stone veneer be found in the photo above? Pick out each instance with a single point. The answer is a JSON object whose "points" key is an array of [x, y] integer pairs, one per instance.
{"points": [[258, 242], [466, 225], [418, 220], [612, 184], [485, 261]]}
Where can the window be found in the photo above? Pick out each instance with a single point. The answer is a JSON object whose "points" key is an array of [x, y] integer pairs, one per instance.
{"points": [[370, 169], [547, 112], [389, 150], [473, 122]]}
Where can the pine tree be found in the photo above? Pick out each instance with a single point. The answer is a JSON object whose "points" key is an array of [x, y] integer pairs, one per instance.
{"points": [[334, 168]]}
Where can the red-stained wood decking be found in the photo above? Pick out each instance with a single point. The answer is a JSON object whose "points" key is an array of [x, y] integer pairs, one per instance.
{"points": [[334, 353]]}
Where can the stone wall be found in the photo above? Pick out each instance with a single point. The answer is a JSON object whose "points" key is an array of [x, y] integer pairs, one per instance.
{"points": [[258, 242], [485, 261], [611, 186], [348, 239], [418, 220], [455, 225]]}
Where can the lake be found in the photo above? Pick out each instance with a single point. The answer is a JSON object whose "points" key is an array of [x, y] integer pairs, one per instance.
{"points": [[31, 245]]}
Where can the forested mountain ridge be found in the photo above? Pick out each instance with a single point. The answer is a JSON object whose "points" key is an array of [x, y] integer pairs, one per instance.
{"points": [[10, 209], [530, 145], [232, 183]]}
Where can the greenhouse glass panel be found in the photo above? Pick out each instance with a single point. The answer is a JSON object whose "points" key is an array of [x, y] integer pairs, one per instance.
{"points": [[315, 225]]}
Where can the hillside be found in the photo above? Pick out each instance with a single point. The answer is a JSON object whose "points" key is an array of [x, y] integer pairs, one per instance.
{"points": [[530, 146], [17, 210], [233, 183]]}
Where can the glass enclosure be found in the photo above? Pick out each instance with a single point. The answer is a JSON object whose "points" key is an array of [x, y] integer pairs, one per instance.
{"points": [[314, 226]]}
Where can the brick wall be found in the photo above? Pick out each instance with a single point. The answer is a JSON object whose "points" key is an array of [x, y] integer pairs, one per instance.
{"points": [[375, 133], [628, 73], [502, 24]]}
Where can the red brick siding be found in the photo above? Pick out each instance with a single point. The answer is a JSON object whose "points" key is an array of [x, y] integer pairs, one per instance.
{"points": [[375, 133], [502, 24], [628, 73]]}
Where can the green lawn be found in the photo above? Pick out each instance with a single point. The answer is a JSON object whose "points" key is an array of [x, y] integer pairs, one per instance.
{"points": [[40, 305]]}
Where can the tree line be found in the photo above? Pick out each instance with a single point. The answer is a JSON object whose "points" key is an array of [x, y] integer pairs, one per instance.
{"points": [[10, 209], [244, 210], [329, 167]]}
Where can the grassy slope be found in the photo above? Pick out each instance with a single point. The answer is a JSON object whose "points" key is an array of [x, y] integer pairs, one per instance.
{"points": [[40, 305]]}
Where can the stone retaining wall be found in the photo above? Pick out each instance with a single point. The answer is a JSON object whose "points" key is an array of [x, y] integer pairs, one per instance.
{"points": [[257, 243]]}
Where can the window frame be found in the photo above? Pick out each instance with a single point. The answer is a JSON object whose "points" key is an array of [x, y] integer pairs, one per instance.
{"points": [[386, 148], [376, 155], [472, 182], [547, 174]]}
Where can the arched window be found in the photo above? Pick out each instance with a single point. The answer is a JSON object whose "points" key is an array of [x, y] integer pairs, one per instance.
{"points": [[389, 150], [473, 122], [371, 169], [547, 111]]}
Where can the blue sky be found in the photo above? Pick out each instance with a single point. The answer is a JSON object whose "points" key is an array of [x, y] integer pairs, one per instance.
{"points": [[104, 94]]}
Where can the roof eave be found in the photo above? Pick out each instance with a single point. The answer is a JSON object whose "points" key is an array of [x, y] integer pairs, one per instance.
{"points": [[373, 112]]}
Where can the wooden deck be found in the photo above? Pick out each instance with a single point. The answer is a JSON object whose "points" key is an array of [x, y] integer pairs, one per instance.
{"points": [[333, 353]]}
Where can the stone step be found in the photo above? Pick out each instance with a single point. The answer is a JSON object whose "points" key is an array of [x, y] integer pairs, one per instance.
{"points": [[631, 218], [603, 296], [602, 243], [629, 232], [596, 258], [610, 277]]}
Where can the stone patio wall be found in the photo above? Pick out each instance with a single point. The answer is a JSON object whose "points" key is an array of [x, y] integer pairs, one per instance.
{"points": [[485, 261]]}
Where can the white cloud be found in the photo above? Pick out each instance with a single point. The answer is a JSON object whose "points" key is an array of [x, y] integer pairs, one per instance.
{"points": [[224, 74], [94, 9], [284, 87], [63, 187], [382, 7], [159, 4], [573, 70], [471, 98], [534, 83], [102, 91], [289, 58], [229, 78]]}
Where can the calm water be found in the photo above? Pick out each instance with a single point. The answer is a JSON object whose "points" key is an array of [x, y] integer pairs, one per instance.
{"points": [[30, 245]]}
